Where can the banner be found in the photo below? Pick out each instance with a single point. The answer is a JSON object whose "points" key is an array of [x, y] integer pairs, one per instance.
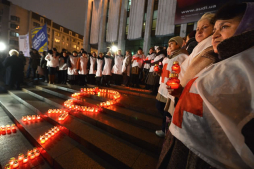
{"points": [[192, 10], [24, 44], [40, 38]]}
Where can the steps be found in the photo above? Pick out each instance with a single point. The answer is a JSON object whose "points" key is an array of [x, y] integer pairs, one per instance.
{"points": [[60, 151], [118, 137], [11, 145]]}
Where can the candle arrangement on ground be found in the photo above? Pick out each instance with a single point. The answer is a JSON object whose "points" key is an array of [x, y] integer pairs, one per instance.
{"points": [[15, 163], [8, 129], [44, 138], [63, 115], [30, 118]]}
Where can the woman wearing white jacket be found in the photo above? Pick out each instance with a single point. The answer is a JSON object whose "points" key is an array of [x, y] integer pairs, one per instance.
{"points": [[52, 64]]}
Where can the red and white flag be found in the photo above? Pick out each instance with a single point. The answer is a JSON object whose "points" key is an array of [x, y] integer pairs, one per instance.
{"points": [[214, 108]]}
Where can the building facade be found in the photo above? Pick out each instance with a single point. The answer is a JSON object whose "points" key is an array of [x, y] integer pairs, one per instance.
{"points": [[15, 21], [131, 24]]}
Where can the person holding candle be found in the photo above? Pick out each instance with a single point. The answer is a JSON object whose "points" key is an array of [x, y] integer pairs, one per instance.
{"points": [[222, 137], [63, 67], [82, 66], [175, 53], [147, 63], [72, 68], [92, 70], [153, 77], [99, 66], [106, 72], [117, 68], [137, 61]]}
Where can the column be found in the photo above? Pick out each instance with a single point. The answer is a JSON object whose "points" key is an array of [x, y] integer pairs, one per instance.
{"points": [[122, 25], [88, 9], [102, 30]]}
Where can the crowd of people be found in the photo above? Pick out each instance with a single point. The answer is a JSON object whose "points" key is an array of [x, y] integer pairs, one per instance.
{"points": [[208, 119]]}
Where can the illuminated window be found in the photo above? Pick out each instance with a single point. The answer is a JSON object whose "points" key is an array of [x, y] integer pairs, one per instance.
{"points": [[74, 46], [67, 44], [57, 40], [77, 48], [14, 26], [63, 43], [14, 34]]}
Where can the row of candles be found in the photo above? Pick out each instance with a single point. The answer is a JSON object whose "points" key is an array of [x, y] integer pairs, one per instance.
{"points": [[63, 113], [173, 80], [31, 154], [51, 132], [69, 104], [31, 118], [8, 128]]}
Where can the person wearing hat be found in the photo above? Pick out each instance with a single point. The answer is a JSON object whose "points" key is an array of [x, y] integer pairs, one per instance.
{"points": [[13, 65], [72, 68], [175, 53], [153, 78], [137, 61], [82, 65]]}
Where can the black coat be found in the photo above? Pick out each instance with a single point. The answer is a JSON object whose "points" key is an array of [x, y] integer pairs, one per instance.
{"points": [[14, 67]]}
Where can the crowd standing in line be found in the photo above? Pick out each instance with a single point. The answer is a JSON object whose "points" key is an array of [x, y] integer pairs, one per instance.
{"points": [[208, 118]]}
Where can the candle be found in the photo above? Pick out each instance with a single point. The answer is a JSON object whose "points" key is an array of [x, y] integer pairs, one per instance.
{"points": [[25, 160], [29, 152], [7, 166], [156, 68], [21, 157], [24, 118], [11, 161], [15, 164], [37, 153], [173, 81], [175, 67], [28, 117], [32, 155], [38, 117], [81, 90], [42, 140], [108, 103], [8, 128], [33, 117], [49, 111], [13, 127]]}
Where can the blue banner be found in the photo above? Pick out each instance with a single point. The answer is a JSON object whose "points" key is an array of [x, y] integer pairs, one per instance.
{"points": [[40, 38]]}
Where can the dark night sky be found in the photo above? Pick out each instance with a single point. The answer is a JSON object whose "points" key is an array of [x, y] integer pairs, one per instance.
{"points": [[68, 13]]}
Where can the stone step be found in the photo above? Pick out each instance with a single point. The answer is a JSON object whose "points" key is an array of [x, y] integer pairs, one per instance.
{"points": [[60, 151], [125, 114], [131, 102], [102, 144], [12, 144]]}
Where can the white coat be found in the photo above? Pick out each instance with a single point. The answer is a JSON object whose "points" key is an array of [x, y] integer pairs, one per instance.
{"points": [[128, 68], [92, 65], [52, 61], [83, 65], [107, 66], [149, 57], [139, 61], [99, 67], [73, 69], [117, 68]]}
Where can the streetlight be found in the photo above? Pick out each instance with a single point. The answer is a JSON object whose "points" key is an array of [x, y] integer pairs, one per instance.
{"points": [[114, 48], [2, 46]]}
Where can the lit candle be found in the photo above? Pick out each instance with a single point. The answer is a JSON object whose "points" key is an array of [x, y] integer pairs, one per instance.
{"points": [[33, 117], [8, 128], [11, 161], [81, 90], [21, 157], [38, 117], [175, 67], [156, 68], [25, 160], [49, 111], [15, 164], [29, 152], [28, 117], [32, 155], [101, 104], [42, 140], [173, 81], [24, 118], [7, 166], [37, 153], [13, 127]]}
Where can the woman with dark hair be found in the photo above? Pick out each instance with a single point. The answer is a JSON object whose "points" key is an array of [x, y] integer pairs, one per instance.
{"points": [[73, 68], [62, 76], [92, 68], [191, 42], [126, 68], [147, 62], [219, 129], [43, 64]]}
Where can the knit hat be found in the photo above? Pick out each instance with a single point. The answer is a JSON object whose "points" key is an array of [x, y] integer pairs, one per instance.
{"points": [[177, 39]]}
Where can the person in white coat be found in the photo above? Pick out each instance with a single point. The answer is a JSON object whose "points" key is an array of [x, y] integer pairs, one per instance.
{"points": [[147, 63], [106, 72], [72, 68], [92, 70], [83, 65], [99, 66], [126, 68], [117, 68], [137, 61], [63, 67], [52, 63]]}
